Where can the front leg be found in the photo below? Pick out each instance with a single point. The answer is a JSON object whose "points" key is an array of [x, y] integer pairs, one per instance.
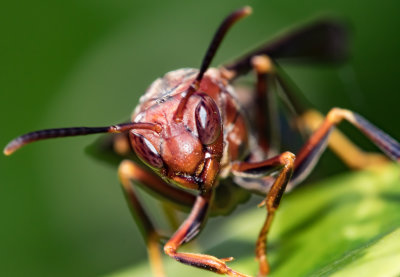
{"points": [[131, 175], [188, 230], [284, 164]]}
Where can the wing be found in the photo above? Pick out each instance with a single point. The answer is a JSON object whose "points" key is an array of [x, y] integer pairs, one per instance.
{"points": [[324, 41]]}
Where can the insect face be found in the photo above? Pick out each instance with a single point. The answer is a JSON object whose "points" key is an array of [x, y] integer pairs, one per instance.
{"points": [[184, 150]]}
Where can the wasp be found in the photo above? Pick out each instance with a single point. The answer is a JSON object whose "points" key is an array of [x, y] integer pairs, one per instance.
{"points": [[193, 130]]}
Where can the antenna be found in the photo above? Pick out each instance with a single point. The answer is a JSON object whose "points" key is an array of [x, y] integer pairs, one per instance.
{"points": [[212, 49], [20, 141]]}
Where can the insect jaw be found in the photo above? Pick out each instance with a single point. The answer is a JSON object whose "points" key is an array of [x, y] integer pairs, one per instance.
{"points": [[204, 177], [187, 181]]}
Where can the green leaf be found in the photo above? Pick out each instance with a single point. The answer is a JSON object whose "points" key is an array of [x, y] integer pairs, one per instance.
{"points": [[348, 225]]}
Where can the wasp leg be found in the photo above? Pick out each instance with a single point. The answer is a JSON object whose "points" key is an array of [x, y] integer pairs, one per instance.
{"points": [[316, 144], [284, 164], [308, 120], [129, 171], [266, 109], [304, 163], [188, 230], [345, 149]]}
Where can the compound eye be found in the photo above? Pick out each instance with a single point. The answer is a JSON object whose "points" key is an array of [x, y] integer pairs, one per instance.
{"points": [[146, 150], [208, 120]]}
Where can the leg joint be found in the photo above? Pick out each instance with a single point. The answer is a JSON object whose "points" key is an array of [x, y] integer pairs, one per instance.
{"points": [[336, 115], [125, 168], [287, 158], [170, 250], [262, 64]]}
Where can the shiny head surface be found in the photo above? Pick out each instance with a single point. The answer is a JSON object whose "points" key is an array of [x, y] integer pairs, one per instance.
{"points": [[187, 152]]}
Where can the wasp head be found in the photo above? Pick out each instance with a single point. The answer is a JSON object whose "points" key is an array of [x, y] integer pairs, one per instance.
{"points": [[186, 152]]}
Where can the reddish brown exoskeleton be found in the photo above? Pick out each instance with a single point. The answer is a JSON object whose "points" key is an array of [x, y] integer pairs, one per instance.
{"points": [[193, 131]]}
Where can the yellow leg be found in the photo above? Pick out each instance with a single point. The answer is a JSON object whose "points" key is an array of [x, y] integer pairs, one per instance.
{"points": [[344, 148]]}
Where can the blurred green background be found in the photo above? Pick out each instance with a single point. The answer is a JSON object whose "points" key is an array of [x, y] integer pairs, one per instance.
{"points": [[68, 63]]}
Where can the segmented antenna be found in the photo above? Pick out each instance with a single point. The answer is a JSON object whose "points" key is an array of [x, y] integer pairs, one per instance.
{"points": [[20, 141], [212, 49]]}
